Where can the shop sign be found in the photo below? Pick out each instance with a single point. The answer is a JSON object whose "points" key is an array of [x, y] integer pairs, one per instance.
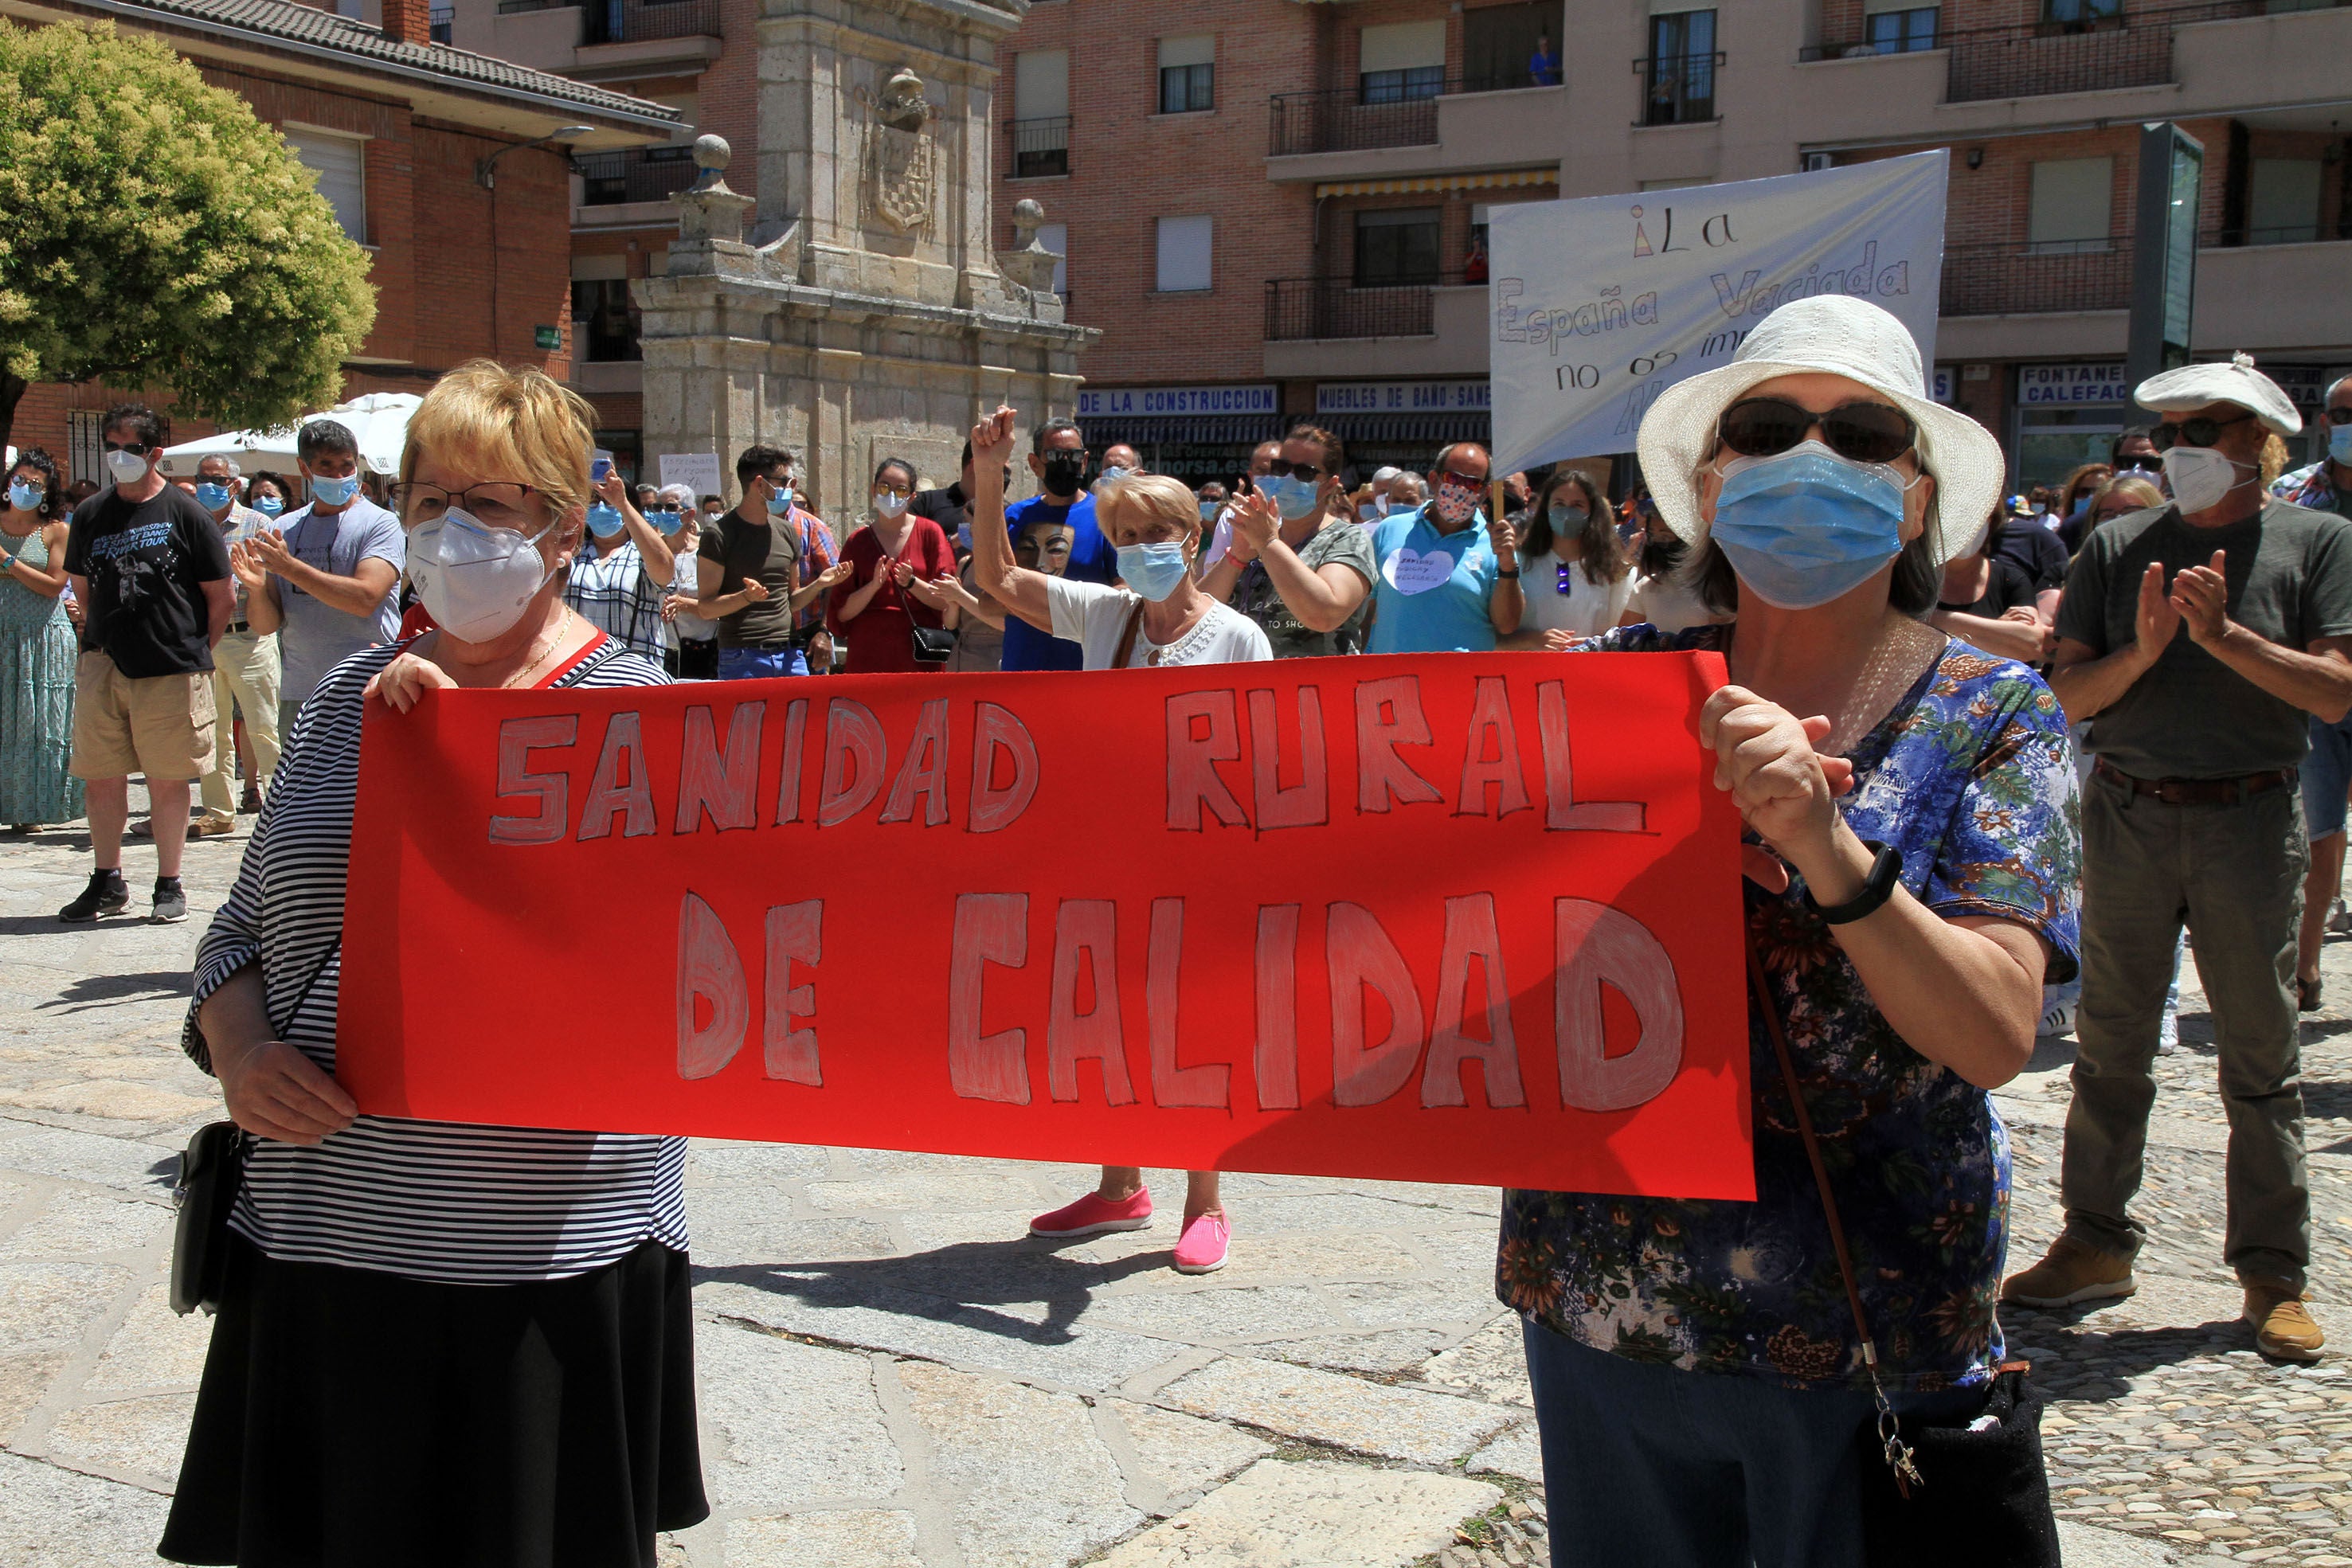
{"points": [[1403, 397], [2098, 381], [1120, 402], [1941, 384]]}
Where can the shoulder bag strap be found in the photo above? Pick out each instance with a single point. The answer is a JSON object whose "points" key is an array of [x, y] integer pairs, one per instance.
{"points": [[1897, 1452], [1126, 636]]}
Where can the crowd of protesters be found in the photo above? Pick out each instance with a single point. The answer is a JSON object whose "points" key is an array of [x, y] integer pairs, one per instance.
{"points": [[1970, 734]]}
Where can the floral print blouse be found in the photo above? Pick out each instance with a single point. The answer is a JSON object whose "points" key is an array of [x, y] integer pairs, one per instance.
{"points": [[1970, 778]]}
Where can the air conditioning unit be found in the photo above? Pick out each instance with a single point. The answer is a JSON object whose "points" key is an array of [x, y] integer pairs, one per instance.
{"points": [[1816, 162]]}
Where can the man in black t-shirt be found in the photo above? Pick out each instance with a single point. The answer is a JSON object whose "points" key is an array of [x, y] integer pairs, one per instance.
{"points": [[152, 571]]}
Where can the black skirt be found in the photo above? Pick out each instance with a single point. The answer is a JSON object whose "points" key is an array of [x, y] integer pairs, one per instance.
{"points": [[352, 1420]]}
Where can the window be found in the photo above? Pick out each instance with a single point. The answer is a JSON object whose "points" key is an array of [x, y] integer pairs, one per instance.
{"points": [[1055, 237], [604, 320], [2081, 15], [1185, 245], [1511, 46], [1900, 26], [2073, 198], [1041, 104], [1187, 74], [340, 161], [2282, 201], [1396, 244], [1680, 80], [1400, 61]]}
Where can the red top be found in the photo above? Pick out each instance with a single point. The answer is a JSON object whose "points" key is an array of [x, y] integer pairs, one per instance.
{"points": [[879, 639]]}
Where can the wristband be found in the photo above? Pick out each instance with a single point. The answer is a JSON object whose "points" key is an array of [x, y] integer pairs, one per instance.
{"points": [[1511, 576], [1885, 873]]}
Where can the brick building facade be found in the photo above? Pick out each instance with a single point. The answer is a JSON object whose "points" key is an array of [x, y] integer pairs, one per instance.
{"points": [[398, 126]]}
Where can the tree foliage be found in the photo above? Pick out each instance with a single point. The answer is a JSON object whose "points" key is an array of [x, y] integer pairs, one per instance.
{"points": [[153, 231]]}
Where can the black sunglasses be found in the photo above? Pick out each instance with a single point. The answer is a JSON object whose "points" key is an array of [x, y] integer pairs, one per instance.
{"points": [[1305, 473], [136, 448], [2199, 431], [1859, 432], [2339, 416]]}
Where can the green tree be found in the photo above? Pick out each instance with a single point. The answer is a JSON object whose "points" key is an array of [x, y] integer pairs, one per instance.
{"points": [[153, 232]]}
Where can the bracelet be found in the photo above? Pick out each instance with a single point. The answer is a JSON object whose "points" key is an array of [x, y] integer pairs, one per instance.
{"points": [[1511, 576], [1886, 874]]}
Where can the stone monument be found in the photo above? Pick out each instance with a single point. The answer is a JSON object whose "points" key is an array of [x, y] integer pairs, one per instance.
{"points": [[861, 311]]}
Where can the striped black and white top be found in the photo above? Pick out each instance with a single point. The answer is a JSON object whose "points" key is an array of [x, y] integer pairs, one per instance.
{"points": [[614, 591], [443, 1201]]}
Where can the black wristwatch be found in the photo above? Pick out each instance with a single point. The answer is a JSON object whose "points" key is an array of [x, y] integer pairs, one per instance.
{"points": [[1511, 576], [1885, 871]]}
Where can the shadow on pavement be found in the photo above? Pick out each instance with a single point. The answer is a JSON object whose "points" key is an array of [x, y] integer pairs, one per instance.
{"points": [[2119, 1353], [962, 1284], [111, 990]]}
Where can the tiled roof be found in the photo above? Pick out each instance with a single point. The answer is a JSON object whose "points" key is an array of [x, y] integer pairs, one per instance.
{"points": [[346, 35]]}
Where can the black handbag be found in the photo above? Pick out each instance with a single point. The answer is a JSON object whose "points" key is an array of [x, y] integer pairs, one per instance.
{"points": [[934, 645], [211, 1169], [1932, 1495]]}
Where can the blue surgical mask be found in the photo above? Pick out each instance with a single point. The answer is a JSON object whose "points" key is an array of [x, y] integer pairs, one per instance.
{"points": [[269, 506], [212, 498], [1806, 526], [1568, 520], [1153, 570], [2339, 442], [779, 502], [667, 519], [1295, 496], [334, 492], [24, 497], [604, 520], [1209, 511]]}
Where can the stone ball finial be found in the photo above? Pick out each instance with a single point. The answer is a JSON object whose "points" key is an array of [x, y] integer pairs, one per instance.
{"points": [[711, 151], [1029, 210]]}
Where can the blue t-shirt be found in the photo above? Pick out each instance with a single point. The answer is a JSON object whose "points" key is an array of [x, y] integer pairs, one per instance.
{"points": [[1091, 560], [1420, 611]]}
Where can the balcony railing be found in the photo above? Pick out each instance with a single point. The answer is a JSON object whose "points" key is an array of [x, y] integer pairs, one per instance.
{"points": [[1306, 307], [2015, 279], [1350, 119], [1040, 146], [635, 175], [2134, 50], [443, 19], [639, 21], [1677, 89]]}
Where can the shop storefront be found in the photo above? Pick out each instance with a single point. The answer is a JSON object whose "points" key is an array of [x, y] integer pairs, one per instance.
{"points": [[2067, 415], [1402, 424], [1194, 433]]}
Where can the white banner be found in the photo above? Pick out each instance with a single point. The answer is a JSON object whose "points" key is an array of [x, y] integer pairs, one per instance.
{"points": [[1600, 303], [698, 471]]}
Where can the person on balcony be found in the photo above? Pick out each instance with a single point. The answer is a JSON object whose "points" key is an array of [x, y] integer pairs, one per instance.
{"points": [[1543, 66]]}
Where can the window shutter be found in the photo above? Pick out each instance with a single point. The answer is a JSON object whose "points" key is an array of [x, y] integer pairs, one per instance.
{"points": [[1402, 46], [340, 161], [1192, 49], [1041, 83], [1185, 245]]}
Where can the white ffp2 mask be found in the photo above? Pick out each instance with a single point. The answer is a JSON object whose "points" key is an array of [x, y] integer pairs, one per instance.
{"points": [[474, 580], [2200, 477]]}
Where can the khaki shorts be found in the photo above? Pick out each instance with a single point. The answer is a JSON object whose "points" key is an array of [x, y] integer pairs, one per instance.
{"points": [[161, 726]]}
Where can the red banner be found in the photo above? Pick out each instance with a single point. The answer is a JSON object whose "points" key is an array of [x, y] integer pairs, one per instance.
{"points": [[1469, 919]]}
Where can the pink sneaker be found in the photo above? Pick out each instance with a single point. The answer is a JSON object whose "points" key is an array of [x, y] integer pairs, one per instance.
{"points": [[1202, 1249], [1091, 1215]]}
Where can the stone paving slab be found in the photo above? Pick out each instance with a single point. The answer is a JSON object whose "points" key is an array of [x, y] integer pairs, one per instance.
{"points": [[1345, 1412], [1312, 1514]]}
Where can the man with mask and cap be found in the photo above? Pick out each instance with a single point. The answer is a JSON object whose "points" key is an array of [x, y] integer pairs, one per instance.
{"points": [[325, 581], [245, 663], [2199, 639], [148, 566], [1057, 457]]}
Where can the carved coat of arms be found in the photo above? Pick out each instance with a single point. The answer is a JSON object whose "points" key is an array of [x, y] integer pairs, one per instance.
{"points": [[902, 160]]}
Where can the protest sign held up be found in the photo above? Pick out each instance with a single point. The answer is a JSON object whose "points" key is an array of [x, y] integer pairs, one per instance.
{"points": [[1469, 922], [1602, 303]]}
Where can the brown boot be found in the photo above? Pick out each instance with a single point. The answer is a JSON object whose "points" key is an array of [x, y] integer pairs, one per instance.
{"points": [[2072, 1271], [2283, 1328]]}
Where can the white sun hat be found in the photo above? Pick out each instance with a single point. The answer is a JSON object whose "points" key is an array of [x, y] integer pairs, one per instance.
{"points": [[1837, 335], [2195, 386]]}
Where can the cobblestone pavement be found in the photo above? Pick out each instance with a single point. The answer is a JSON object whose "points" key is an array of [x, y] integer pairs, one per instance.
{"points": [[892, 1377]]}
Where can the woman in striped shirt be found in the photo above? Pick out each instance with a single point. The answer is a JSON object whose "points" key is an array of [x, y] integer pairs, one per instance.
{"points": [[437, 1341]]}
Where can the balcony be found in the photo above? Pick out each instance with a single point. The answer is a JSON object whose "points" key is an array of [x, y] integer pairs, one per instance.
{"points": [[1330, 328], [633, 174], [1300, 308], [1362, 119], [443, 19], [647, 21], [2021, 279], [1040, 147], [1677, 89]]}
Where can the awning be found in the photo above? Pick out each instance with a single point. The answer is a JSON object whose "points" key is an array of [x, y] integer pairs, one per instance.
{"points": [[1217, 429], [1501, 179], [1460, 425]]}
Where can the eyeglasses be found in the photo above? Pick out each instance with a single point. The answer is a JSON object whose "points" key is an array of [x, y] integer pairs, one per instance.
{"points": [[2339, 416], [1467, 481], [136, 448], [1305, 473], [499, 504], [894, 489], [1858, 432], [2199, 431]]}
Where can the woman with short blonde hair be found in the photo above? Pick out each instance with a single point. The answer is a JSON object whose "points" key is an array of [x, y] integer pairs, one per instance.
{"points": [[435, 1340]]}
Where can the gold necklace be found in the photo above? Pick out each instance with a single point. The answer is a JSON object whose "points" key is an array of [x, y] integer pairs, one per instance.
{"points": [[522, 678]]}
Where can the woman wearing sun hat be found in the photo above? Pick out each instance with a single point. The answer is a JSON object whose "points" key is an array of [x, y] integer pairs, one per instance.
{"points": [[1912, 858]]}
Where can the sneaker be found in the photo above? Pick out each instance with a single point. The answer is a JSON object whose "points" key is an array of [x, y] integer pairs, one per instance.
{"points": [[171, 904], [2283, 1328], [1091, 1215], [2072, 1271], [107, 894], [1202, 1249], [2339, 919], [2057, 1019]]}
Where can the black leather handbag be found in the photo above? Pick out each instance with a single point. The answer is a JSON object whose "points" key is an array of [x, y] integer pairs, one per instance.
{"points": [[1932, 1496], [211, 1170]]}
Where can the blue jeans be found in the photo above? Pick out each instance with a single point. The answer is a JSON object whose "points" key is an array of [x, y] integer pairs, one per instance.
{"points": [[759, 664], [1653, 1467]]}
